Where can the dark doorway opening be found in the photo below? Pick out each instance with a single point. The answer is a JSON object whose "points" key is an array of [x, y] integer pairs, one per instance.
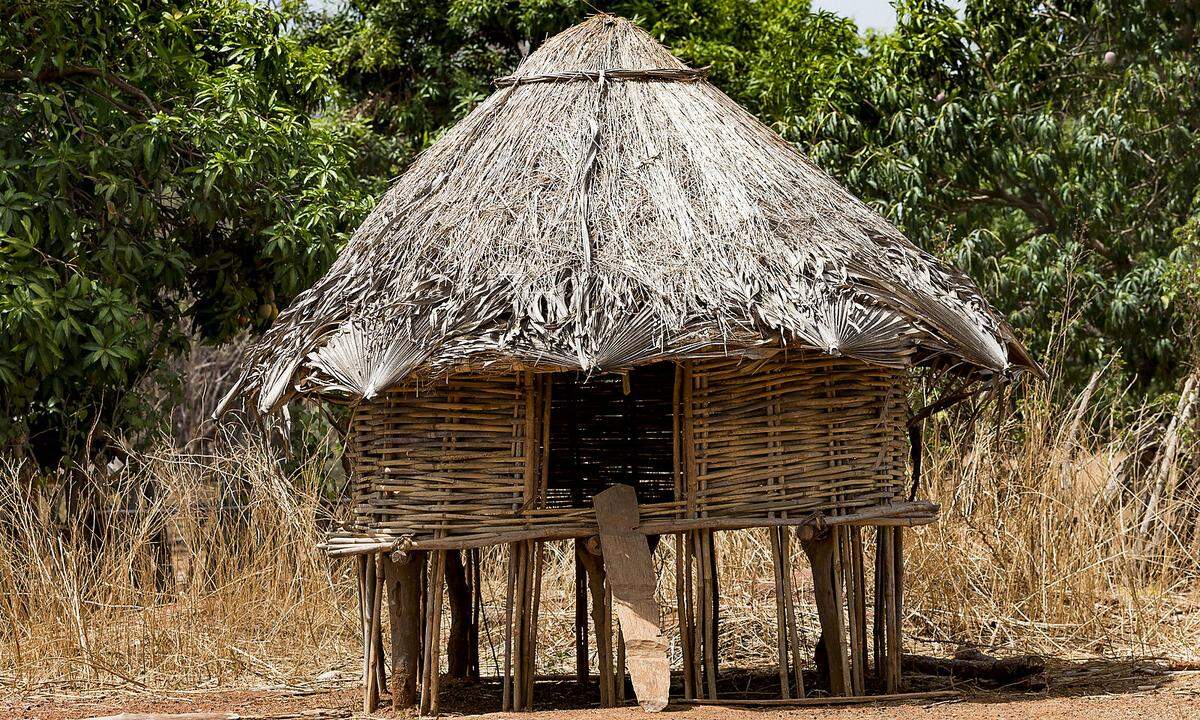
{"points": [[601, 435]]}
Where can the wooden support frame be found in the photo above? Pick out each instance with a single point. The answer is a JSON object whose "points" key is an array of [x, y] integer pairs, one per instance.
{"points": [[691, 519]]}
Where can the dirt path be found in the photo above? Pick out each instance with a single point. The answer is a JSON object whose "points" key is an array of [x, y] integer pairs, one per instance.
{"points": [[1169, 697]]}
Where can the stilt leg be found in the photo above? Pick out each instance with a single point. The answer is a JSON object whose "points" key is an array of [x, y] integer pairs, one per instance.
{"points": [[582, 671], [789, 591], [404, 600], [601, 619], [459, 594], [893, 571], [781, 629], [820, 552], [431, 669]]}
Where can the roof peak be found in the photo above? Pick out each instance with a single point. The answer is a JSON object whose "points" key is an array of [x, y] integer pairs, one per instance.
{"points": [[600, 43]]}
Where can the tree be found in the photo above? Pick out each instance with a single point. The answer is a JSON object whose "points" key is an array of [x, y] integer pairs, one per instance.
{"points": [[167, 169], [1047, 148]]}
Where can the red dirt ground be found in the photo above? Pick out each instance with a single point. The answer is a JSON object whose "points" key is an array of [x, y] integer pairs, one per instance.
{"points": [[1091, 691]]}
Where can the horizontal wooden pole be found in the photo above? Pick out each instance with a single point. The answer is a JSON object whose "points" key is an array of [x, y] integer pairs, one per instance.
{"points": [[904, 514], [818, 701]]}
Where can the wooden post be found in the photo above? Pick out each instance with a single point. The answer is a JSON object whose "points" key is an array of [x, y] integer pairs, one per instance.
{"points": [[781, 630], [431, 669], [372, 584], [879, 631], [582, 671], [507, 687], [403, 578], [820, 551], [858, 610], [601, 618], [459, 593], [364, 609], [790, 607], [894, 598]]}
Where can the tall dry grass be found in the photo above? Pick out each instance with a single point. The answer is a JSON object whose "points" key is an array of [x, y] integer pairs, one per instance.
{"points": [[1039, 549]]}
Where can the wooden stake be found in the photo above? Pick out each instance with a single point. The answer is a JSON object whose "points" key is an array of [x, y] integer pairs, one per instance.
{"points": [[886, 560], [879, 631], [790, 607], [380, 669], [365, 585], [582, 671], [600, 615], [370, 627], [858, 616], [433, 632], [894, 617], [506, 692], [848, 579], [781, 631]]}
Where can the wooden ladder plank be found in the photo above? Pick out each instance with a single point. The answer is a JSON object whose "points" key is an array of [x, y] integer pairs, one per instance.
{"points": [[630, 571]]}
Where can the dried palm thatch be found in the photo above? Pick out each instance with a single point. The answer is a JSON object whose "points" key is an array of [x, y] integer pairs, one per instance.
{"points": [[608, 207]]}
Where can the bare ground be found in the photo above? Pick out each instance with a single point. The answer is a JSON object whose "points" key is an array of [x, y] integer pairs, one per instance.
{"points": [[1094, 690]]}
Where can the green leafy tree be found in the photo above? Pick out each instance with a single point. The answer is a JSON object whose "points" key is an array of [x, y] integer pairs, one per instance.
{"points": [[167, 169]]}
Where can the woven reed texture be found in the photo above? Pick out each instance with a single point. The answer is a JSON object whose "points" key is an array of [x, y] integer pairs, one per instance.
{"points": [[794, 434]]}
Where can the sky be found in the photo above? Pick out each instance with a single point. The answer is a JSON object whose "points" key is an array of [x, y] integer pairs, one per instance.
{"points": [[875, 14]]}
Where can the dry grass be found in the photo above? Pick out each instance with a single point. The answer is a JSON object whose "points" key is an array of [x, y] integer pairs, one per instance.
{"points": [[1037, 551]]}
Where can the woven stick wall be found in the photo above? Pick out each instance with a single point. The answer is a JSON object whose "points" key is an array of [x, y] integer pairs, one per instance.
{"points": [[449, 463]]}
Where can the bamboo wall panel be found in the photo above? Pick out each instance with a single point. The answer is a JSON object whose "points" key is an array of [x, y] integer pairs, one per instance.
{"points": [[792, 434]]}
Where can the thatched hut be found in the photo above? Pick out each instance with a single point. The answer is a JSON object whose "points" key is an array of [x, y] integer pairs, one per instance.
{"points": [[609, 274]]}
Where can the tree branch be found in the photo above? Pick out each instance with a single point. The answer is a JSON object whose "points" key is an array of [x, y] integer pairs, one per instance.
{"points": [[51, 76]]}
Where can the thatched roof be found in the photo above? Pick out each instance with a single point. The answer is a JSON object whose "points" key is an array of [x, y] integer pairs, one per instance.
{"points": [[607, 207]]}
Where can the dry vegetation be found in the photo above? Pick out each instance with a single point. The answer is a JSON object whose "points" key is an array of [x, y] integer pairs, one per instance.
{"points": [[1040, 548]]}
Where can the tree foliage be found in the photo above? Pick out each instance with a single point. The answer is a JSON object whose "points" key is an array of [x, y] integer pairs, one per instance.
{"points": [[174, 167], [164, 170]]}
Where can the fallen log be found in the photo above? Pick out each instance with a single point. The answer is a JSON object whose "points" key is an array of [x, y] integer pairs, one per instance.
{"points": [[975, 665]]}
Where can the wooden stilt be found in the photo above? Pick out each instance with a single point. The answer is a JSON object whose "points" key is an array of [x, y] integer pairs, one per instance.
{"points": [[535, 601], [781, 630], [821, 555], [404, 588], [433, 630], [889, 659], [459, 594], [789, 594], [506, 690], [370, 628], [709, 604], [683, 617], [476, 609], [892, 571], [379, 670], [600, 621], [858, 611], [879, 617], [683, 594], [520, 620], [364, 607], [846, 566], [695, 618], [582, 670]]}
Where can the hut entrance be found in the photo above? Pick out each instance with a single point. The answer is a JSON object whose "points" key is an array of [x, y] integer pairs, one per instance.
{"points": [[612, 429]]}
